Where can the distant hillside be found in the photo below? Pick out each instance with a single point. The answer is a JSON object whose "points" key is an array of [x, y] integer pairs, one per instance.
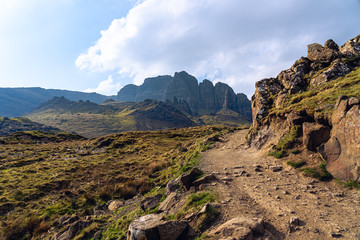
{"points": [[93, 120], [15, 102], [12, 125], [184, 91]]}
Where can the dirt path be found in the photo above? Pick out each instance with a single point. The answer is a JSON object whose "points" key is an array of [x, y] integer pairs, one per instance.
{"points": [[258, 190]]}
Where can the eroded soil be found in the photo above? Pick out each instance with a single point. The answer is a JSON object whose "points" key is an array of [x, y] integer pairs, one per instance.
{"points": [[252, 187]]}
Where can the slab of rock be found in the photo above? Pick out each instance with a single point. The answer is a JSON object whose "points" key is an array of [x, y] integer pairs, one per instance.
{"points": [[206, 179], [314, 135], [153, 227], [239, 228], [172, 186], [342, 151], [72, 230], [169, 202], [150, 202]]}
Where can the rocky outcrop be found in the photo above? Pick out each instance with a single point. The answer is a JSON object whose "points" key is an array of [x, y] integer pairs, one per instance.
{"points": [[185, 93], [342, 151], [276, 112]]}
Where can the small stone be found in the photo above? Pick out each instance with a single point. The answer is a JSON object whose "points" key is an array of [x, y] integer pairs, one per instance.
{"points": [[277, 197], [97, 235], [225, 168], [258, 170], [286, 193], [295, 221], [297, 197], [237, 167], [335, 235], [276, 168], [227, 179]]}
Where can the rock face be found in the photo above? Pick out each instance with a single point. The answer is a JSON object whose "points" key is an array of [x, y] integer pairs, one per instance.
{"points": [[314, 135], [184, 91], [342, 151], [152, 227]]}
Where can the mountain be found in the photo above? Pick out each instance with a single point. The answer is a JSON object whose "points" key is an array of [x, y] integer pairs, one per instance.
{"points": [[313, 107], [15, 102], [194, 98], [92, 120]]}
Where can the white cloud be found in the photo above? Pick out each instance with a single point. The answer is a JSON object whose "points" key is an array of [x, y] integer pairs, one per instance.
{"points": [[234, 41], [107, 87]]}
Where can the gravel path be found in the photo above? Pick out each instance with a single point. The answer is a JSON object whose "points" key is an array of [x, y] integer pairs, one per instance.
{"points": [[258, 186]]}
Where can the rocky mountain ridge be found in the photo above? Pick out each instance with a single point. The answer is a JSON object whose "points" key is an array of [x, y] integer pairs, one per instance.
{"points": [[314, 104], [183, 90]]}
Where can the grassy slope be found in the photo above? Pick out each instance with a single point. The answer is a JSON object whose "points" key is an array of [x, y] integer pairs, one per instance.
{"points": [[41, 182], [320, 100]]}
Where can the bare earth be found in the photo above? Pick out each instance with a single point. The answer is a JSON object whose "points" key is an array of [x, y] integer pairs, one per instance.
{"points": [[326, 210]]}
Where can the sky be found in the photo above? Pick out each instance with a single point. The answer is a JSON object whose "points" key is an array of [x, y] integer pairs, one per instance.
{"points": [[102, 45]]}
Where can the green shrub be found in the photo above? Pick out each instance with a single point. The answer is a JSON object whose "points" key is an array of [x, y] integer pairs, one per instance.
{"points": [[319, 173], [277, 154], [296, 164]]}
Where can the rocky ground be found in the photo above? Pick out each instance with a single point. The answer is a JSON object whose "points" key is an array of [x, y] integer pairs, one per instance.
{"points": [[259, 188]]}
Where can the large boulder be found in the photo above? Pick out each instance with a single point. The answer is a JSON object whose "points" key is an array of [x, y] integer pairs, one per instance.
{"points": [[314, 135], [318, 53], [342, 151], [153, 227], [352, 47]]}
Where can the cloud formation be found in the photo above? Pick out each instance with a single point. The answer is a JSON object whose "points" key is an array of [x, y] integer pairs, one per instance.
{"points": [[107, 87], [233, 41]]}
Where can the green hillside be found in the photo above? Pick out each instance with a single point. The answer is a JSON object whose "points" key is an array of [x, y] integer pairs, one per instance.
{"points": [[93, 120]]}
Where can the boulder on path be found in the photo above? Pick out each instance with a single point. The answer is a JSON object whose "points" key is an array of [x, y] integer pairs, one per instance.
{"points": [[205, 179], [240, 228], [314, 135], [153, 227], [342, 151]]}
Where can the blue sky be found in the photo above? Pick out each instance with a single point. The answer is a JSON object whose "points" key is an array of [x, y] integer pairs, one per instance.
{"points": [[102, 45]]}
